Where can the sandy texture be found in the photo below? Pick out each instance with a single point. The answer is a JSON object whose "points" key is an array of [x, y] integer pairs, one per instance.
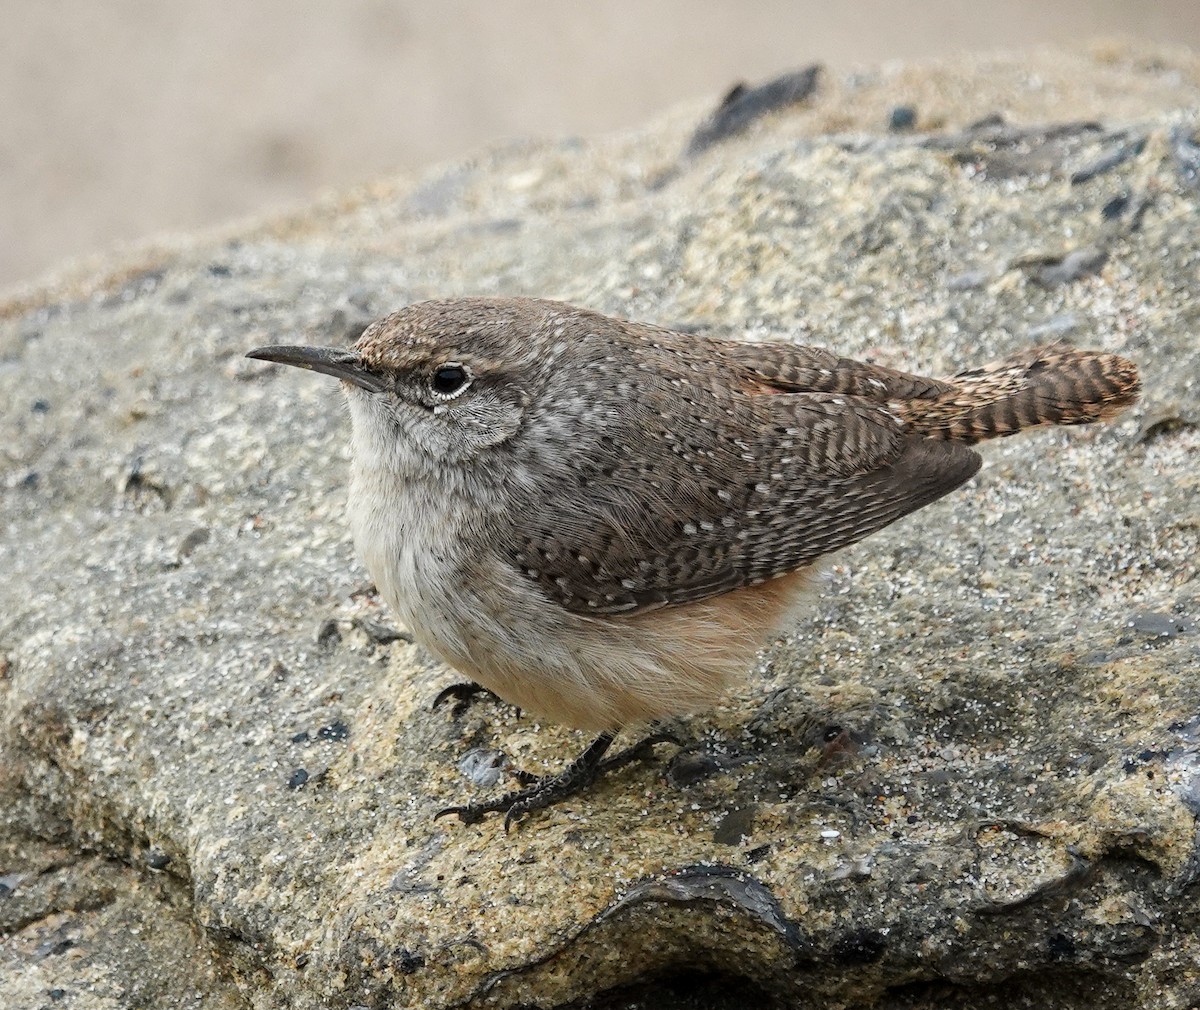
{"points": [[969, 776]]}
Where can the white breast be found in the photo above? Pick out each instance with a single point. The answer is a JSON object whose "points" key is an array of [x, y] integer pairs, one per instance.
{"points": [[412, 548]]}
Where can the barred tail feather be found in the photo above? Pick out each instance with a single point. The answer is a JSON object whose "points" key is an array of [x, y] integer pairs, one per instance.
{"points": [[1040, 386]]}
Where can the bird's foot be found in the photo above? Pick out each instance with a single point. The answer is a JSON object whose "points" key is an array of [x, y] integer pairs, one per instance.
{"points": [[539, 792], [463, 695]]}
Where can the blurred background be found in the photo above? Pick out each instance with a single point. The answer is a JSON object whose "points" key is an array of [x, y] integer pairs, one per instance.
{"points": [[124, 118]]}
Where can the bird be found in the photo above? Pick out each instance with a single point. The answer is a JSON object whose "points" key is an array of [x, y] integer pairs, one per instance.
{"points": [[604, 521]]}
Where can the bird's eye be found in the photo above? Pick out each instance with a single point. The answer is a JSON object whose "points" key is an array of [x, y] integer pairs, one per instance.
{"points": [[450, 379]]}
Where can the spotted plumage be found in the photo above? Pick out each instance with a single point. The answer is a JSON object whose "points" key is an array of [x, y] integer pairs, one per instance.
{"points": [[671, 468], [603, 521]]}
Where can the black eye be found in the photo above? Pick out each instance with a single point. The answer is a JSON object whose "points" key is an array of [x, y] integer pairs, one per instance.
{"points": [[450, 378]]}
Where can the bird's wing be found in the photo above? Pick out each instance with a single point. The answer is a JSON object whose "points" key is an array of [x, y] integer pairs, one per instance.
{"points": [[726, 491], [800, 369]]}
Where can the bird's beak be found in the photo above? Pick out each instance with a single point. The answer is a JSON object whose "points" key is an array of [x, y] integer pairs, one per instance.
{"points": [[345, 365]]}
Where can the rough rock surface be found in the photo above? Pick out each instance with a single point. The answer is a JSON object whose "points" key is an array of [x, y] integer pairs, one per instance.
{"points": [[970, 777]]}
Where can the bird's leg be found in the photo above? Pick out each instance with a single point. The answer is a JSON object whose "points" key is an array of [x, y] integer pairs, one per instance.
{"points": [[540, 792]]}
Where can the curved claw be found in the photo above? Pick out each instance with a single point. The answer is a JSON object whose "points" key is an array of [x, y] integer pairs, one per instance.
{"points": [[473, 813], [640, 751], [511, 815], [541, 792], [466, 814], [463, 695]]}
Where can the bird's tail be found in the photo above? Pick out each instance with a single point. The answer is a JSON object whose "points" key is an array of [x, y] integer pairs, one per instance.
{"points": [[1035, 387]]}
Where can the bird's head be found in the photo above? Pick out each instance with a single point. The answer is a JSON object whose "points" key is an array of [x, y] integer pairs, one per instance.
{"points": [[442, 382]]}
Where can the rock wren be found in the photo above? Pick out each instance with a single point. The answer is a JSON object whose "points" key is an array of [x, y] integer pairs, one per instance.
{"points": [[603, 521]]}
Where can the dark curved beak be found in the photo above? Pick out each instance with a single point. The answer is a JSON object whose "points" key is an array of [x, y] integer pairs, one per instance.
{"points": [[345, 365]]}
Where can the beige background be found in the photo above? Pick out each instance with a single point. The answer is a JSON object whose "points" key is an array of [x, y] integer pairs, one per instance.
{"points": [[123, 118]]}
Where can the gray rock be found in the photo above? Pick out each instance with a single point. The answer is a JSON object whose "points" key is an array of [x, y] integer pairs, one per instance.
{"points": [[962, 779]]}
